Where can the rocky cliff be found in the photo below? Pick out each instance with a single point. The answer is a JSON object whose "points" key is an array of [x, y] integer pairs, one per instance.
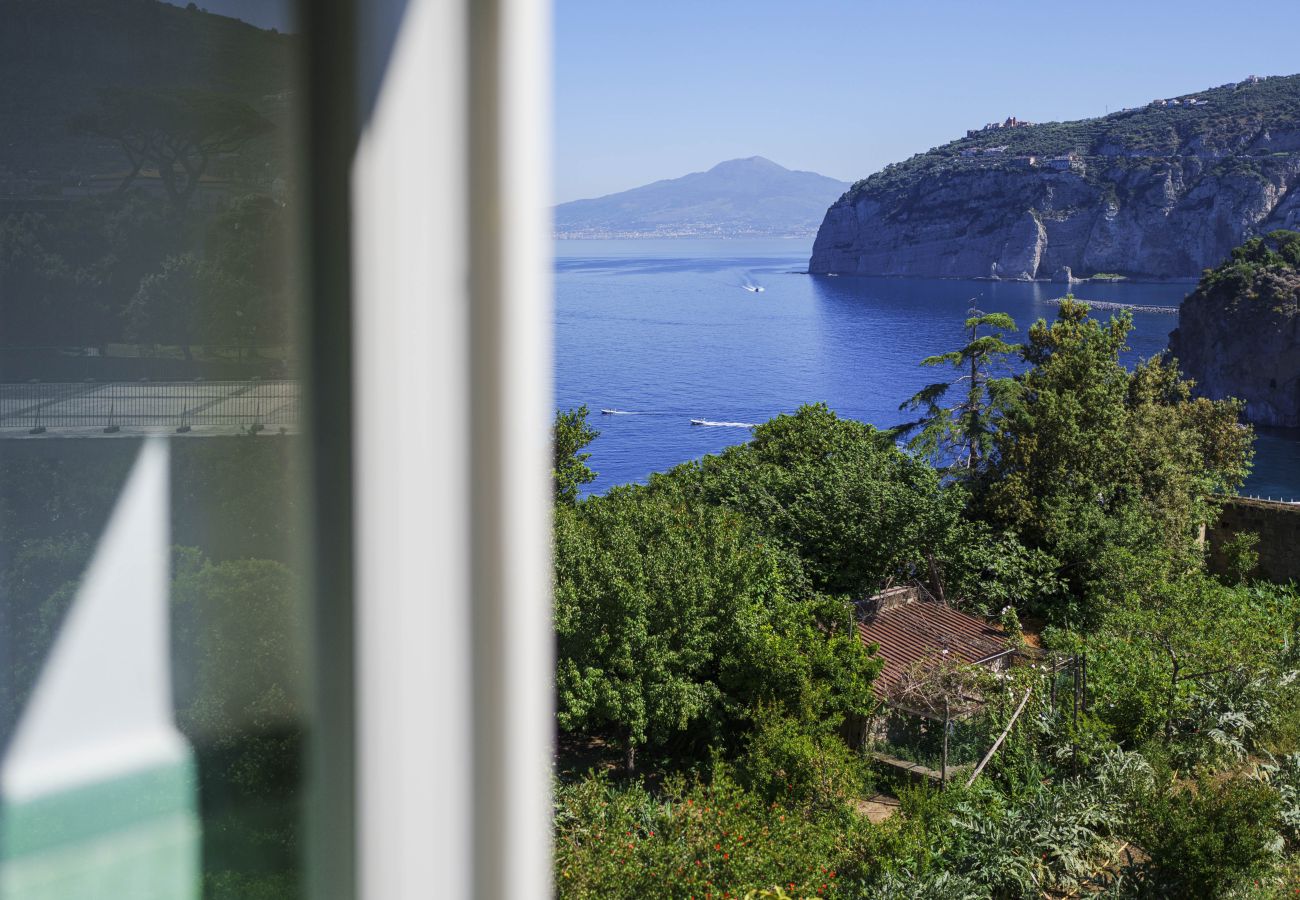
{"points": [[1238, 333], [1162, 191]]}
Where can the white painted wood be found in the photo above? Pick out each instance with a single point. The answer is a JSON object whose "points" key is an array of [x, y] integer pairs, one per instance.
{"points": [[452, 323], [412, 455]]}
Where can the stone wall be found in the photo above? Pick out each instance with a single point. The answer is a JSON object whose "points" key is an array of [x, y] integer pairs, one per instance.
{"points": [[1278, 527]]}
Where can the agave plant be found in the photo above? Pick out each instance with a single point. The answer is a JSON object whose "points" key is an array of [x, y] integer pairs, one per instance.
{"points": [[1284, 775], [1222, 716], [934, 886], [1046, 839]]}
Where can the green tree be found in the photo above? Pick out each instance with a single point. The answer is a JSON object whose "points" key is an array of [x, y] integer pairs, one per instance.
{"points": [[176, 131], [1164, 650], [569, 471], [1109, 471], [673, 618], [961, 437], [172, 305], [247, 249], [838, 493], [1240, 557]]}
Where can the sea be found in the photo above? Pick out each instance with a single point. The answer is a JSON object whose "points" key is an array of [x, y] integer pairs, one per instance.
{"points": [[661, 333]]}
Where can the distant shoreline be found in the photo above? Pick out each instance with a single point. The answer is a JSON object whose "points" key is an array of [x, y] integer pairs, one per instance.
{"points": [[988, 280], [694, 236]]}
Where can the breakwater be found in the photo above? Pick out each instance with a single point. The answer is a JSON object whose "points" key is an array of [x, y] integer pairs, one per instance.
{"points": [[1131, 307]]}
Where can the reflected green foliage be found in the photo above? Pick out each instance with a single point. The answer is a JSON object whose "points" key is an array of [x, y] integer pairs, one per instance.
{"points": [[234, 294], [176, 132], [109, 270], [76, 270], [239, 663], [238, 658]]}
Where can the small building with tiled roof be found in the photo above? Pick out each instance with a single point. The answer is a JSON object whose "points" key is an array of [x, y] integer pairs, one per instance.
{"points": [[911, 633]]}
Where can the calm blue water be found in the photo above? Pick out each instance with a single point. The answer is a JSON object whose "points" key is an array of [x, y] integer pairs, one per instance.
{"points": [[665, 331]]}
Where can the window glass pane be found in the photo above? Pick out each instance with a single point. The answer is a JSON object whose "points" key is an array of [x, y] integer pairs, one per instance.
{"points": [[148, 309]]}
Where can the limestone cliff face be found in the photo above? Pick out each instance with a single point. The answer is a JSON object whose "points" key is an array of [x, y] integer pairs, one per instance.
{"points": [[1159, 192], [1238, 333]]}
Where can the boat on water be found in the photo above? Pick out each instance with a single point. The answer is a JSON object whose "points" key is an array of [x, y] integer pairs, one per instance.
{"points": [[712, 424], [753, 288]]}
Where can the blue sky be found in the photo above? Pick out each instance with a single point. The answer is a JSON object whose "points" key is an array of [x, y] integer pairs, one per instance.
{"points": [[650, 89]]}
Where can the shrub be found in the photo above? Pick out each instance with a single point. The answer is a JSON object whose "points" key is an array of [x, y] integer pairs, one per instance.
{"points": [[1205, 839], [698, 839], [787, 761]]}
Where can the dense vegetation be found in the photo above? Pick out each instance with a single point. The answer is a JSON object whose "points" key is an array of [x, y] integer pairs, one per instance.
{"points": [[133, 270], [1225, 124], [708, 671], [1265, 271]]}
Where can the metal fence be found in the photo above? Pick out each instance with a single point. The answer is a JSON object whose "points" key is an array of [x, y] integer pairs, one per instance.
{"points": [[1289, 501], [111, 406]]}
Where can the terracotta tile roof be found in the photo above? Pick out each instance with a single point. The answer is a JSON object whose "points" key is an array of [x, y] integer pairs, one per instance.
{"points": [[921, 630]]}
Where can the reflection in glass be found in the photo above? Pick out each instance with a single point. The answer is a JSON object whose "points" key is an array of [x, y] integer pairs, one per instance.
{"points": [[148, 287]]}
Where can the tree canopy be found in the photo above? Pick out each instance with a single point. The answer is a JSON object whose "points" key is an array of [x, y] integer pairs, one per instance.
{"points": [[1102, 467], [176, 131], [569, 435], [960, 438], [674, 618], [856, 510]]}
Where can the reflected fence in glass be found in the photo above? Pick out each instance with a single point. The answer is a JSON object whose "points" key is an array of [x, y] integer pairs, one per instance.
{"points": [[126, 407]]}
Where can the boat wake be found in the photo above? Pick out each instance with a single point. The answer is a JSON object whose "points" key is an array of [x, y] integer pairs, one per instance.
{"points": [[710, 424]]}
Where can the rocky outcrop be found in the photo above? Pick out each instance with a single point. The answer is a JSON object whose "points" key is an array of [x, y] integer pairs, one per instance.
{"points": [[1159, 192], [1238, 333]]}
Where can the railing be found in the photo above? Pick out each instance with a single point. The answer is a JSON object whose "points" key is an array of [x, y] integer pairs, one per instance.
{"points": [[111, 406], [1293, 501]]}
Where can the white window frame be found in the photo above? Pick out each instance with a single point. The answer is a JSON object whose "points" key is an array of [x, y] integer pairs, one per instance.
{"points": [[431, 413]]}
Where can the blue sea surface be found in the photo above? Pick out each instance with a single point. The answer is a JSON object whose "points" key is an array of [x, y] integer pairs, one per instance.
{"points": [[666, 331]]}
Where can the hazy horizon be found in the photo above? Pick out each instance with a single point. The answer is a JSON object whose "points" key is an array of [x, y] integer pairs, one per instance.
{"points": [[651, 92]]}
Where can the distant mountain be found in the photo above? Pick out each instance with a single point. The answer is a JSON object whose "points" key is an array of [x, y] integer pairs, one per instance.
{"points": [[1161, 191], [749, 197]]}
